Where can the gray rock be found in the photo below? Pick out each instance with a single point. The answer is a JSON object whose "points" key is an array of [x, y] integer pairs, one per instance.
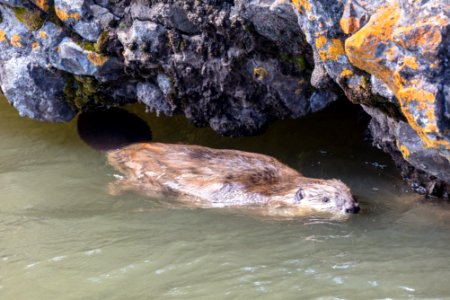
{"points": [[321, 99], [143, 42], [103, 16], [89, 31], [164, 84], [275, 20], [153, 98], [236, 65], [34, 91], [72, 58], [380, 88], [14, 3], [78, 15], [424, 169]]}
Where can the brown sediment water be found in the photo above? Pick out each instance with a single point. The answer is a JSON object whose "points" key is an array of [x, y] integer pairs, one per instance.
{"points": [[63, 237]]}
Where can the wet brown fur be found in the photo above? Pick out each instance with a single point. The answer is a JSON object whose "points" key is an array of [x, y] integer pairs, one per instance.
{"points": [[200, 174]]}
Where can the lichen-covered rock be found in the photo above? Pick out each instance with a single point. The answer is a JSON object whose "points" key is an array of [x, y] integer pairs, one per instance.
{"points": [[78, 15], [403, 47], [406, 45], [25, 79], [426, 171], [227, 66], [73, 59], [236, 65], [320, 21], [233, 66], [44, 98]]}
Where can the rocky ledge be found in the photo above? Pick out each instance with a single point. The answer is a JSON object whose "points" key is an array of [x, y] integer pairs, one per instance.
{"points": [[236, 65]]}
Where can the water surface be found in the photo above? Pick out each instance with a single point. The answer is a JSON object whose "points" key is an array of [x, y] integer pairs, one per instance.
{"points": [[64, 237]]}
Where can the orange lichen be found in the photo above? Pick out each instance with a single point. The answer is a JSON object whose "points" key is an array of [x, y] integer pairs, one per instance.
{"points": [[414, 94], [62, 15], [43, 4], [416, 101], [15, 41], [405, 151], [335, 49], [397, 83], [349, 25], [423, 33], [346, 73], [410, 61], [363, 82], [65, 16], [302, 5], [35, 45], [2, 36], [321, 41], [76, 16], [260, 73], [97, 59], [361, 47], [43, 34]]}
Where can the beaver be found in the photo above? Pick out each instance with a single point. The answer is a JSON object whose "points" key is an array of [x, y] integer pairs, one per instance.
{"points": [[210, 178]]}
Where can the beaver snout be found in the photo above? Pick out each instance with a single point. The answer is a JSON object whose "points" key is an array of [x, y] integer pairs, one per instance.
{"points": [[353, 210]]}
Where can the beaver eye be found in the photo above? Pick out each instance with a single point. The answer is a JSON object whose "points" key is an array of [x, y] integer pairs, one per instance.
{"points": [[299, 196], [325, 200]]}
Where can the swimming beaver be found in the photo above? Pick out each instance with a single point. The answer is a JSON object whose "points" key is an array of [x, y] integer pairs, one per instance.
{"points": [[208, 178]]}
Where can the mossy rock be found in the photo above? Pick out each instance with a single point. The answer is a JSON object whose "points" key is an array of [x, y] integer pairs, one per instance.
{"points": [[301, 63], [33, 19], [86, 45], [102, 42], [83, 92]]}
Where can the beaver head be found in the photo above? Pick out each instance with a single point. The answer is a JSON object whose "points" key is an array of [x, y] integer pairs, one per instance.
{"points": [[327, 196]]}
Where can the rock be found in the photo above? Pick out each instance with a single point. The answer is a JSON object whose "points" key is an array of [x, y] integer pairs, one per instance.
{"points": [[77, 14], [44, 5], [71, 58], [274, 20], [43, 98], [13, 3], [29, 85], [237, 65], [320, 22], [424, 169], [153, 98], [381, 89], [143, 42], [321, 99], [406, 46]]}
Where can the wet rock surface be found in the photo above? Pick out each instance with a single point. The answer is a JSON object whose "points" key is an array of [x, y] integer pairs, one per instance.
{"points": [[236, 65]]}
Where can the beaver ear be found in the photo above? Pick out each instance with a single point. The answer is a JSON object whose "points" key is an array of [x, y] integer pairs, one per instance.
{"points": [[299, 196]]}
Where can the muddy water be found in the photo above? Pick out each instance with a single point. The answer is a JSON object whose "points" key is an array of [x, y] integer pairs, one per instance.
{"points": [[63, 237]]}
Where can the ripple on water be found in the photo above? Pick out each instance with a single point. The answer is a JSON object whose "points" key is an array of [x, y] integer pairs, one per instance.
{"points": [[63, 237]]}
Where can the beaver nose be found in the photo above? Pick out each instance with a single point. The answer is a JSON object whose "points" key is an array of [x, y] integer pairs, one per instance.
{"points": [[353, 210]]}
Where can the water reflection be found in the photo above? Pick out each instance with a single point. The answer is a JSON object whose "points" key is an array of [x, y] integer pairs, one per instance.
{"points": [[112, 129]]}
